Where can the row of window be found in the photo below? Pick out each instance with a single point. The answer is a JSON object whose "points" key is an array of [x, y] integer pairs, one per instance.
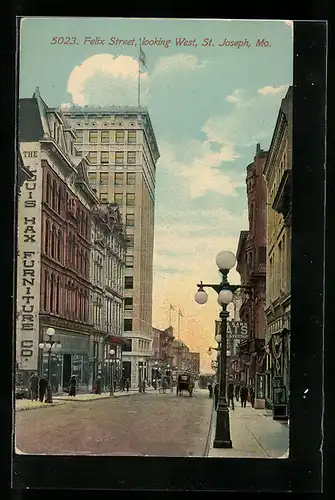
{"points": [[75, 305], [57, 198], [107, 136], [107, 157], [118, 180], [118, 198]]}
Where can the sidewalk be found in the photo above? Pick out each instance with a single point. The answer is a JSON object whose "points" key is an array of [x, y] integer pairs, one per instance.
{"points": [[254, 434], [27, 404], [104, 395]]}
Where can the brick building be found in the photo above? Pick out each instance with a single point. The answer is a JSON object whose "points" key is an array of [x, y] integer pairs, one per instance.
{"points": [[54, 247], [251, 264]]}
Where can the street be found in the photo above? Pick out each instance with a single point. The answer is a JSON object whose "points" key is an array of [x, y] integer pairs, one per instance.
{"points": [[143, 424]]}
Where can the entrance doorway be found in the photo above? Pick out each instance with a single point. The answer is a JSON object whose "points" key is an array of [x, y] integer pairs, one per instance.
{"points": [[126, 370], [67, 367]]}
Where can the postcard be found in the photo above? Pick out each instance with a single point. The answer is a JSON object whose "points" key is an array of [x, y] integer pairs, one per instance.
{"points": [[154, 236]]}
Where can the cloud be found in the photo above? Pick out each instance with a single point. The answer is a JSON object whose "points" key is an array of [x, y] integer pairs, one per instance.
{"points": [[271, 90], [236, 96], [105, 79]]}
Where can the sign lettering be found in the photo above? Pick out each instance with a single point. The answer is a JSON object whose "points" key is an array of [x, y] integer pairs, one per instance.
{"points": [[28, 264], [235, 329]]}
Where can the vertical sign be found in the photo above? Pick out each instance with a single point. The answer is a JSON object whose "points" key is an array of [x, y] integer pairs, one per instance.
{"points": [[29, 260]]}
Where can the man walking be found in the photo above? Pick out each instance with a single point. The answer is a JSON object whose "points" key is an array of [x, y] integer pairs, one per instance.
{"points": [[43, 388], [237, 391], [244, 396], [230, 394], [34, 380]]}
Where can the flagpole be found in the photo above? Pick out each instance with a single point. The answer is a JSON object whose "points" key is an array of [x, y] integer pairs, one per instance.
{"points": [[169, 316], [179, 324], [139, 80]]}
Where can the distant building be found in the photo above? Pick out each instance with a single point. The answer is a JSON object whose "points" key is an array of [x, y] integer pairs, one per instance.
{"points": [[278, 174]]}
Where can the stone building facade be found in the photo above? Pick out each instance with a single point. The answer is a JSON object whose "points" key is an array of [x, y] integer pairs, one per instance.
{"points": [[121, 148], [106, 298], [278, 172]]}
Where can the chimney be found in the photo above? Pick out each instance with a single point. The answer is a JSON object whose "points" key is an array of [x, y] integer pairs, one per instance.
{"points": [[258, 148]]}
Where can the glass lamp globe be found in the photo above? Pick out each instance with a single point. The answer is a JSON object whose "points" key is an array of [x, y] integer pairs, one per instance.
{"points": [[225, 260], [48, 345], [225, 296], [201, 297], [218, 338], [50, 332], [112, 352], [58, 345], [228, 353], [41, 345]]}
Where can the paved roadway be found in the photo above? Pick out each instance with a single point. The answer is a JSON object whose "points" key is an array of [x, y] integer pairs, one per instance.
{"points": [[144, 424]]}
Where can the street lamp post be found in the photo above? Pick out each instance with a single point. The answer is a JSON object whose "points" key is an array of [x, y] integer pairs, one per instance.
{"points": [[225, 261], [47, 346]]}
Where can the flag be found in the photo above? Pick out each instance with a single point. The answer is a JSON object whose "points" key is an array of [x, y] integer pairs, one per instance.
{"points": [[180, 313], [171, 307], [142, 58]]}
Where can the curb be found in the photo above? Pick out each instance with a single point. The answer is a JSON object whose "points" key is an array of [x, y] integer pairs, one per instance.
{"points": [[209, 435], [47, 405]]}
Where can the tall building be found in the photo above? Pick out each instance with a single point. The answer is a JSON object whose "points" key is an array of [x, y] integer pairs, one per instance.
{"points": [[278, 173], [195, 363], [120, 145]]}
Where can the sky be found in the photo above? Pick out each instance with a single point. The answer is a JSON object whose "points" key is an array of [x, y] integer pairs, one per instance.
{"points": [[211, 99]]}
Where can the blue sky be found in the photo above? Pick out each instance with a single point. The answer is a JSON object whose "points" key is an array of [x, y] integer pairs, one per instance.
{"points": [[209, 106]]}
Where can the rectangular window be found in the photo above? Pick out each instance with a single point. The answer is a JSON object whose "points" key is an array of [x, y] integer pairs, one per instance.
{"points": [[128, 303], [131, 178], [118, 179], [129, 282], [119, 137], [127, 325], [130, 240], [104, 179], [104, 157], [104, 197], [118, 198], [105, 137], [131, 157], [92, 177], [131, 136], [93, 157], [129, 261], [130, 199], [80, 136], [119, 157], [128, 347], [130, 220], [93, 136]]}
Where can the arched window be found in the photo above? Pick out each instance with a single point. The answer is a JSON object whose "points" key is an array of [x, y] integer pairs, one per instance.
{"points": [[53, 242], [46, 237], [47, 193], [45, 296], [51, 297], [59, 246], [60, 200], [54, 195], [57, 295]]}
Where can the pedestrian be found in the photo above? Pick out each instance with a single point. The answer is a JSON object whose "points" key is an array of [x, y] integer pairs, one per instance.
{"points": [[127, 384], [243, 395], [230, 394], [34, 380], [252, 396], [210, 389], [98, 385], [72, 386], [42, 386], [237, 391]]}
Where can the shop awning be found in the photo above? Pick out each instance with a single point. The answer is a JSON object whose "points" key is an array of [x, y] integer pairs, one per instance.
{"points": [[115, 339]]}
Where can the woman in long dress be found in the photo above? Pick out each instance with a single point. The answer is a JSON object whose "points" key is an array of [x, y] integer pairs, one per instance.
{"points": [[73, 386]]}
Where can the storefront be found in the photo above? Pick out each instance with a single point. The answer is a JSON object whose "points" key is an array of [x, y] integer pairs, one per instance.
{"points": [[72, 358]]}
